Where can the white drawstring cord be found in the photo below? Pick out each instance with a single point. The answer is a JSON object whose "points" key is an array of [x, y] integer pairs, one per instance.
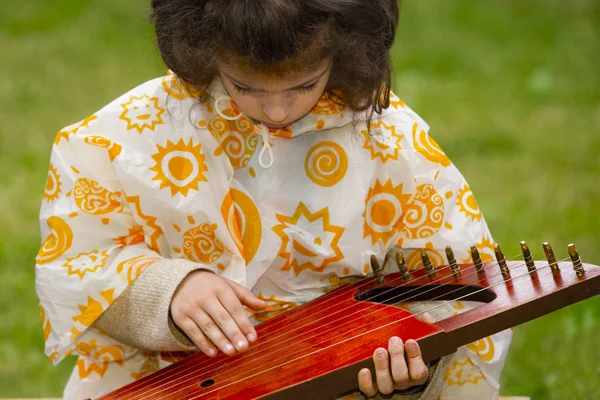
{"points": [[264, 133], [266, 146]]}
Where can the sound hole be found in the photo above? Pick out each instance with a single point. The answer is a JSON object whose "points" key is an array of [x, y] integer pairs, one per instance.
{"points": [[208, 383], [399, 294]]}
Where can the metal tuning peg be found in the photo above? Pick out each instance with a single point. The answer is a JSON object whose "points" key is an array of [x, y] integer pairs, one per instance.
{"points": [[452, 261], [427, 263], [402, 265], [550, 257], [577, 265], [476, 259], [501, 261], [377, 270], [527, 257]]}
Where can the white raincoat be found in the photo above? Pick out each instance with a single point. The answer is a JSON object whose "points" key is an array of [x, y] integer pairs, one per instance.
{"points": [[289, 214]]}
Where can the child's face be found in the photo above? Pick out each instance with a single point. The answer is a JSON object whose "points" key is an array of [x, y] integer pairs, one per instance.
{"points": [[275, 101]]}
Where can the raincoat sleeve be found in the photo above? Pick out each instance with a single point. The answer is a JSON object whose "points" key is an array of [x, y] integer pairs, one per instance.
{"points": [[92, 247], [443, 212]]}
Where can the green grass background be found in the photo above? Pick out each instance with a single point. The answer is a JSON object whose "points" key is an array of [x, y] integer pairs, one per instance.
{"points": [[511, 89]]}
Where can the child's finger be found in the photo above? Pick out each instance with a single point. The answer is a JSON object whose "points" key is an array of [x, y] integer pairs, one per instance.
{"points": [[210, 328], [398, 363], [195, 334], [229, 327], [428, 318], [365, 383], [246, 296], [417, 370], [382, 371], [234, 307]]}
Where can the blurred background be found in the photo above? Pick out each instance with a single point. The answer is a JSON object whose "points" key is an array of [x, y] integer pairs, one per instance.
{"points": [[511, 89]]}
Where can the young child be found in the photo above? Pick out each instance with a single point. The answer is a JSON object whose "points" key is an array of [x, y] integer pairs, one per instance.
{"points": [[264, 170]]}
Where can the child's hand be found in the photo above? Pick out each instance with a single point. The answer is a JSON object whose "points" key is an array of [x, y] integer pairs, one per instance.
{"points": [[209, 310], [397, 376]]}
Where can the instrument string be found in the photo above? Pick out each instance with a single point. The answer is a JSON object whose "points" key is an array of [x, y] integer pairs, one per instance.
{"points": [[364, 333], [229, 365]]}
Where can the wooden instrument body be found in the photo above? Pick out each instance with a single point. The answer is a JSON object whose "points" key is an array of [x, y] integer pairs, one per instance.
{"points": [[316, 350]]}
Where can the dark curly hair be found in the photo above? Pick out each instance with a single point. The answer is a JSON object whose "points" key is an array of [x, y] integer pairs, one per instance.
{"points": [[276, 36]]}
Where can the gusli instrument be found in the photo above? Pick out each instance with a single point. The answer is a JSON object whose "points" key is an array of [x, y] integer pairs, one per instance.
{"points": [[316, 350]]}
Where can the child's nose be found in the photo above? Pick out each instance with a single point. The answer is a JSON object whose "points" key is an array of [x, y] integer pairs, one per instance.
{"points": [[276, 111]]}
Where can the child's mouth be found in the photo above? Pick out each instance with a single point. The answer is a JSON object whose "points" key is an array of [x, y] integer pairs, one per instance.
{"points": [[275, 126]]}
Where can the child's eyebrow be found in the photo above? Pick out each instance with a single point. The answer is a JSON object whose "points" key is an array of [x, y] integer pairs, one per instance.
{"points": [[308, 82]]}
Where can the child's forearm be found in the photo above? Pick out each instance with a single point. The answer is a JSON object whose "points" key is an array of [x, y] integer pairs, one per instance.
{"points": [[140, 316]]}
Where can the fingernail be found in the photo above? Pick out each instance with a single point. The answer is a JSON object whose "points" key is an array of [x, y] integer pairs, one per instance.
{"points": [[251, 337], [212, 352], [395, 341], [240, 344], [412, 345], [228, 348], [381, 355]]}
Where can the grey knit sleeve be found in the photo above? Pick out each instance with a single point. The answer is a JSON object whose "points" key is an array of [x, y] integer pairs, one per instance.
{"points": [[140, 316]]}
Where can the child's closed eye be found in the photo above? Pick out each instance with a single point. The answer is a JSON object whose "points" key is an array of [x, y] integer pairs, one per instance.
{"points": [[306, 89], [242, 90], [247, 91]]}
